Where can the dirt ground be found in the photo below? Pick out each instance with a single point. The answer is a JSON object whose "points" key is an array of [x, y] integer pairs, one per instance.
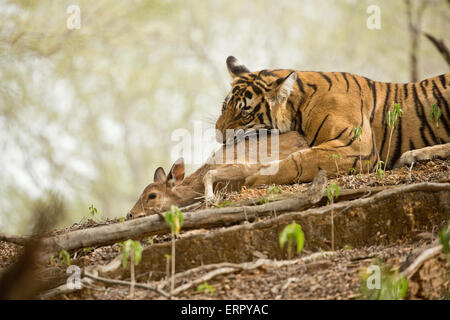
{"points": [[328, 277]]}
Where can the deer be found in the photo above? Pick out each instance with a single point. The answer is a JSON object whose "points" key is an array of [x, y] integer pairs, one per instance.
{"points": [[218, 173]]}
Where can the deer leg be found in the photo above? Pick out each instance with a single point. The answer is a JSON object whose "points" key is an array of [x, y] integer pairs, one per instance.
{"points": [[234, 172]]}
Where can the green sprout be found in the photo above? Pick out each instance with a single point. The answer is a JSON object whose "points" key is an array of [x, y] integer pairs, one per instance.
{"points": [[94, 214], [174, 219], [334, 157], [264, 200], [379, 169], [273, 189], [392, 117], [223, 204], [435, 114], [92, 211], [332, 192], [205, 287], [352, 171], [133, 250], [291, 234], [64, 257], [88, 249]]}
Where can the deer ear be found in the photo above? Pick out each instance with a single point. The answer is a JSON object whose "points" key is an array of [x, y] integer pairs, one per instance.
{"points": [[176, 174], [235, 68], [159, 176], [281, 89]]}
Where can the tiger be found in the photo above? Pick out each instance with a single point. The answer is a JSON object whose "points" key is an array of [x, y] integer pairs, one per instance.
{"points": [[328, 109]]}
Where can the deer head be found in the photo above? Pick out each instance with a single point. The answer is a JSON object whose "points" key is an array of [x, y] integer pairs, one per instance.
{"points": [[162, 193]]}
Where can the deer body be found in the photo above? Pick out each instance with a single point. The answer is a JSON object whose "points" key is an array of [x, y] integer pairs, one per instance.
{"points": [[217, 173]]}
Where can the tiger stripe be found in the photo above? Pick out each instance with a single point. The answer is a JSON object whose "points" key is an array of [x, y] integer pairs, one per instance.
{"points": [[325, 107]]}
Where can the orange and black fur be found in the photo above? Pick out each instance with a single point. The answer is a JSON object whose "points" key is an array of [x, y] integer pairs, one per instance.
{"points": [[325, 107]]}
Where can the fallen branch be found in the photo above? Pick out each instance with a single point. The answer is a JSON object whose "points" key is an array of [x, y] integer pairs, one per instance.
{"points": [[420, 260], [215, 266], [127, 283], [225, 268], [207, 218], [345, 194], [87, 279], [20, 240]]}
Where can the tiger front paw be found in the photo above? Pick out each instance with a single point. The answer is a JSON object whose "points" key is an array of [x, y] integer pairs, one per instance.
{"points": [[441, 151]]}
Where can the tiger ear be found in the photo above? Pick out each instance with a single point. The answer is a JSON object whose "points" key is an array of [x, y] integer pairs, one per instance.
{"points": [[176, 174], [235, 68], [159, 176], [281, 89]]}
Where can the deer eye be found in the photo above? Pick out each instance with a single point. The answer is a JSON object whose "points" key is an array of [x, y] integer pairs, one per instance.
{"points": [[151, 196]]}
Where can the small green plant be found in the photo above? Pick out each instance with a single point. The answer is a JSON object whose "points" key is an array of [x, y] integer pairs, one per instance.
{"points": [[94, 214], [92, 210], [392, 117], [64, 257], [357, 133], [435, 114], [390, 285], [121, 219], [291, 234], [174, 219], [347, 247], [352, 171], [150, 240], [87, 250], [264, 200], [133, 250], [205, 287], [379, 168], [334, 157], [274, 189], [332, 192], [223, 204]]}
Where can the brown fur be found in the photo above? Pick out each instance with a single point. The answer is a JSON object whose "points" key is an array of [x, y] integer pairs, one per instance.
{"points": [[174, 190]]}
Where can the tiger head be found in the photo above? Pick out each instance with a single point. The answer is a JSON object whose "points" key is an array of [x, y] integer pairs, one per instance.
{"points": [[256, 98]]}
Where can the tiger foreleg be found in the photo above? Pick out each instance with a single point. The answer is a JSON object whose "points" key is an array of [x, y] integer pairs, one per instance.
{"points": [[441, 151], [303, 165]]}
